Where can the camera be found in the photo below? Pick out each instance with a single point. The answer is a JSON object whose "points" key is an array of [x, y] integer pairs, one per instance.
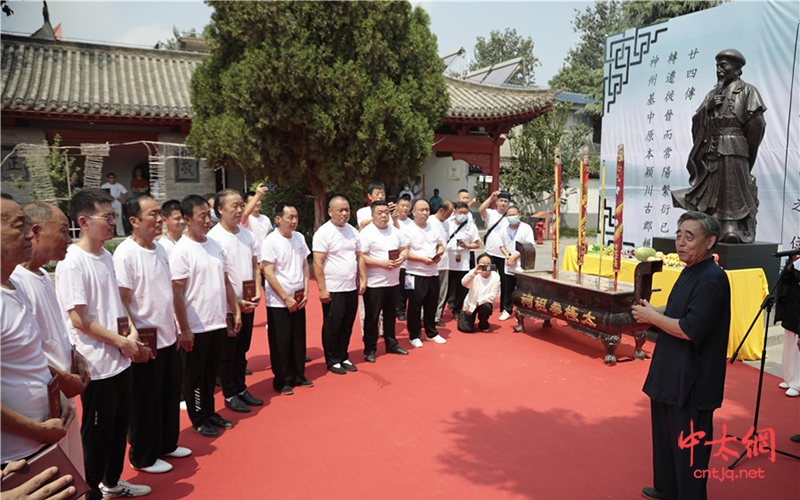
{"points": [[488, 267], [391, 199]]}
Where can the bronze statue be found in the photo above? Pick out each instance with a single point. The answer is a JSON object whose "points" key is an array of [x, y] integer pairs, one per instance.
{"points": [[727, 130]]}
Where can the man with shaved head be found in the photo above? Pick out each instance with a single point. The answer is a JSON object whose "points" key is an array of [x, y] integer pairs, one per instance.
{"points": [[336, 253]]}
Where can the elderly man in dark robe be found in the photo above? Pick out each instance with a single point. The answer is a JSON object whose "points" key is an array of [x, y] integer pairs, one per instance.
{"points": [[727, 130]]}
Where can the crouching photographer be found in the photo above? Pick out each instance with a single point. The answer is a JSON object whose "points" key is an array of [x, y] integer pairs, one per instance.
{"points": [[483, 284]]}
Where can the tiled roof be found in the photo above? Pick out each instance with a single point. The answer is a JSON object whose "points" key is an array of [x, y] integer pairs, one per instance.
{"points": [[91, 80], [69, 78], [471, 101]]}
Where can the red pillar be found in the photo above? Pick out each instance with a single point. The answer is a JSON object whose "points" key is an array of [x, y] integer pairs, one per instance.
{"points": [[494, 165]]}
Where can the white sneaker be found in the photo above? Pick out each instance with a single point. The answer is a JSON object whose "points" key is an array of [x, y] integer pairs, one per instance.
{"points": [[416, 343], [183, 405], [792, 393], [158, 467], [504, 316], [783, 385], [125, 489], [179, 452], [438, 339]]}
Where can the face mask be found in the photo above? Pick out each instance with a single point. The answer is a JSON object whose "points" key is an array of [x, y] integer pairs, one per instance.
{"points": [[513, 220], [461, 218], [214, 216], [405, 188]]}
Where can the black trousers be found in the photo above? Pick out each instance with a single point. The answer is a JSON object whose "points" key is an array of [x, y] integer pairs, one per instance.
{"points": [[456, 292], [201, 367], [287, 346], [508, 290], [377, 301], [403, 295], [155, 409], [234, 358], [424, 296], [104, 425], [673, 476], [337, 325], [500, 263], [466, 323]]}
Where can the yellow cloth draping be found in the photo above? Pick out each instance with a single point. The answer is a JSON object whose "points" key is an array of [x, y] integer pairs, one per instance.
{"points": [[748, 289]]}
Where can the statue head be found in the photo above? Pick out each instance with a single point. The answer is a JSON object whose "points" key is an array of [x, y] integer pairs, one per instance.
{"points": [[729, 65]]}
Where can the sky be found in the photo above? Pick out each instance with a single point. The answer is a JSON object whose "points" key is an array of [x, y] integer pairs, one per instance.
{"points": [[456, 24]]}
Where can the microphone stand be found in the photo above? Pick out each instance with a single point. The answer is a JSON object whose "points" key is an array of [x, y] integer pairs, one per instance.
{"points": [[769, 301]]}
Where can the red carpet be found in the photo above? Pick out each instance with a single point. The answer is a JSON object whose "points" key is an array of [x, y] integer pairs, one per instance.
{"points": [[494, 415]]}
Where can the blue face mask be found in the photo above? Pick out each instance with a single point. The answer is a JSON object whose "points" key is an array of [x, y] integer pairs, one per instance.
{"points": [[461, 218], [513, 220], [213, 216]]}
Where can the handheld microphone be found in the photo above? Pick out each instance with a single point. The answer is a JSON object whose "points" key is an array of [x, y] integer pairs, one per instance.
{"points": [[787, 253]]}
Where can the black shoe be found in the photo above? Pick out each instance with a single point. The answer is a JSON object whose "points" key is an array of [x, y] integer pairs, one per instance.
{"points": [[401, 316], [217, 382], [440, 323], [338, 370], [286, 390], [248, 371], [205, 429], [347, 365], [369, 358], [795, 438], [483, 328], [308, 360], [397, 350], [237, 404], [220, 422], [305, 383], [250, 400], [653, 494]]}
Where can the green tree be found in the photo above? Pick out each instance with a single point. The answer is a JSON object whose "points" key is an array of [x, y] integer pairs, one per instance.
{"points": [[327, 92], [502, 46]]}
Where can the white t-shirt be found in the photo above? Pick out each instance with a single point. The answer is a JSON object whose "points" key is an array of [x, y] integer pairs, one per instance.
{"points": [[260, 227], [239, 250], [481, 290], [524, 232], [23, 373], [41, 294], [203, 267], [117, 190], [495, 239], [441, 227], [341, 263], [166, 243], [363, 214], [468, 234], [288, 255], [146, 273], [402, 224], [422, 241], [86, 279], [376, 243]]}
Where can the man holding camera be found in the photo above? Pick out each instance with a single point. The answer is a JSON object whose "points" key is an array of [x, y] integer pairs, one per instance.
{"points": [[483, 284]]}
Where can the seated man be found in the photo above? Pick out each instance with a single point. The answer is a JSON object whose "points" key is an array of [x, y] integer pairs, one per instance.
{"points": [[484, 287]]}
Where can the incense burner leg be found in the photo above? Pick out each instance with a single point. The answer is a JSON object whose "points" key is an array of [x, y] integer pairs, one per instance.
{"points": [[547, 324], [638, 352], [610, 342], [520, 326]]}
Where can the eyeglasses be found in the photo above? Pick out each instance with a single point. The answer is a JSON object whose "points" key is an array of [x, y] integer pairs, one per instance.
{"points": [[111, 218]]}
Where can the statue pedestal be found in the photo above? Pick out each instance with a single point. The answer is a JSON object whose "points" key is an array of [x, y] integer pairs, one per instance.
{"points": [[738, 256]]}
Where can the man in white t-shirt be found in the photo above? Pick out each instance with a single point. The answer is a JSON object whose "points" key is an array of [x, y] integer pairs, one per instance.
{"points": [[200, 290], [516, 230], [439, 221], [400, 219], [462, 239], [484, 287], [145, 287], [496, 223], [463, 197], [241, 264], [383, 250], [120, 194], [284, 262], [336, 254], [50, 229], [174, 224], [376, 191], [417, 190], [88, 291], [425, 250], [252, 218], [25, 425]]}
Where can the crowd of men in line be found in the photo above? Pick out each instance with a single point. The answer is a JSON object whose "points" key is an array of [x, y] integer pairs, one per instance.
{"points": [[170, 315]]}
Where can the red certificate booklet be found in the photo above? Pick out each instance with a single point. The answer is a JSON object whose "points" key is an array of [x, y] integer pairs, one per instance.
{"points": [[123, 326], [54, 396], [248, 290], [148, 336], [394, 254], [48, 457], [298, 295]]}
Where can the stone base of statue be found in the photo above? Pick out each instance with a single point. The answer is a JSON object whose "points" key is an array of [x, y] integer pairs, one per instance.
{"points": [[734, 256]]}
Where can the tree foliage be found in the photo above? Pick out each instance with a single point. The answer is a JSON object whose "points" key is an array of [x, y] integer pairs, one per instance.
{"points": [[583, 69], [6, 8], [327, 92], [502, 46]]}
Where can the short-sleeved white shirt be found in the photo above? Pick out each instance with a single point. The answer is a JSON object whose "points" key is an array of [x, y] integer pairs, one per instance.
{"points": [[376, 243], [289, 256], [495, 239], [402, 224], [41, 294], [260, 227], [441, 227], [524, 232], [145, 272], [23, 373], [422, 241], [363, 214], [239, 250], [116, 190], [202, 265], [341, 264], [468, 234], [86, 279], [166, 243]]}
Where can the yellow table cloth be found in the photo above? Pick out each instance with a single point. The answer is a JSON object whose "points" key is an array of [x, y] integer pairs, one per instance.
{"points": [[748, 289]]}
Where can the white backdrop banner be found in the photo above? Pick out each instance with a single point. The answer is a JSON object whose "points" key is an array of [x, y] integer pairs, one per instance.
{"points": [[656, 78]]}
